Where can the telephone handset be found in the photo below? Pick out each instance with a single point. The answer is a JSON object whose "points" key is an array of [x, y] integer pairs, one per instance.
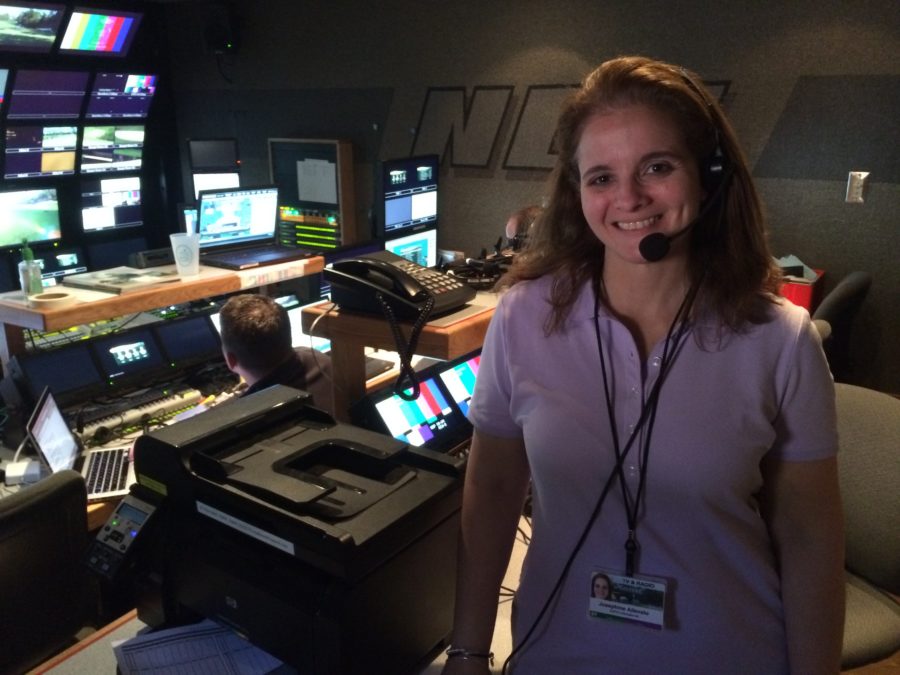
{"points": [[403, 284]]}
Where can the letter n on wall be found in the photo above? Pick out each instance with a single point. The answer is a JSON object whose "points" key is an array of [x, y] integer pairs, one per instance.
{"points": [[467, 129]]}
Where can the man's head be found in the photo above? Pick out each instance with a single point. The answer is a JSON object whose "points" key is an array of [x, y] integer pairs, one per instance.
{"points": [[256, 335]]}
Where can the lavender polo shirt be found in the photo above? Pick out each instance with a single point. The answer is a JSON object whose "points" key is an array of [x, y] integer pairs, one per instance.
{"points": [[722, 408]]}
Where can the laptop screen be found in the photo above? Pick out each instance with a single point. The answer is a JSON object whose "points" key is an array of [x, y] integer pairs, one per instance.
{"points": [[236, 216], [48, 432]]}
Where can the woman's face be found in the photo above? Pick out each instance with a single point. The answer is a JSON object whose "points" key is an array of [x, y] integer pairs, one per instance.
{"points": [[601, 588], [637, 176]]}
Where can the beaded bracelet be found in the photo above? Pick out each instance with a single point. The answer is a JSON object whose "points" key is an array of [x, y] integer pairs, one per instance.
{"points": [[463, 653]]}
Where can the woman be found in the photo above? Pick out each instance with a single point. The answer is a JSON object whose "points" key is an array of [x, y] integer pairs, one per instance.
{"points": [[674, 417]]}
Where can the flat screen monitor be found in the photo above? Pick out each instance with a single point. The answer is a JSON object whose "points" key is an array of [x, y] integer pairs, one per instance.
{"points": [[114, 147], [459, 379], [44, 94], [29, 26], [236, 216], [128, 356], [57, 263], [420, 247], [188, 342], [36, 151], [4, 78], [111, 203], [120, 95], [213, 155], [29, 214], [69, 371], [215, 181], [410, 195], [99, 32]]}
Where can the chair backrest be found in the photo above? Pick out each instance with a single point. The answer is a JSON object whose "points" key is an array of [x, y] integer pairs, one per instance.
{"points": [[839, 308], [869, 463], [44, 597]]}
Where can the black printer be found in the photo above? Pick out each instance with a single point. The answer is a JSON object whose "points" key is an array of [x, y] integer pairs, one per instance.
{"points": [[329, 546]]}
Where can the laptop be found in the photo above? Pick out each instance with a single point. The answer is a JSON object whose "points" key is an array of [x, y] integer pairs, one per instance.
{"points": [[238, 228], [108, 472]]}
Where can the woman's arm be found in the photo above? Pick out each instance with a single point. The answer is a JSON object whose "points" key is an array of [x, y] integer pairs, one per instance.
{"points": [[495, 488], [802, 506]]}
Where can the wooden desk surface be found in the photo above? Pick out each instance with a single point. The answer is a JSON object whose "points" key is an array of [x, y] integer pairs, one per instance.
{"points": [[95, 306]]}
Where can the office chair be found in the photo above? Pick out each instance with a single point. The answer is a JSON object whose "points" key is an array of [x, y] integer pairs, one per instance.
{"points": [[839, 309], [869, 464], [44, 591]]}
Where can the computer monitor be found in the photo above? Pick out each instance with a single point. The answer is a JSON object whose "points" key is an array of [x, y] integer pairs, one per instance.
{"points": [[120, 95], [409, 189], [69, 371], [128, 357], [213, 155], [189, 341], [236, 216], [316, 192], [459, 378], [4, 78], [29, 214], [29, 26], [36, 151], [111, 203], [41, 94], [112, 147], [420, 247], [57, 263], [99, 32], [215, 181]]}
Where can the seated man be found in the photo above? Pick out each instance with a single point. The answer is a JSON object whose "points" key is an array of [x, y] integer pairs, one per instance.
{"points": [[256, 343]]}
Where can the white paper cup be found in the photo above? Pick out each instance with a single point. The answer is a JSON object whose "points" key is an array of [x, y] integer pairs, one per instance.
{"points": [[186, 251]]}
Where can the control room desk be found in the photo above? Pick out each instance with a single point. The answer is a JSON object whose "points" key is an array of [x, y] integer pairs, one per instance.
{"points": [[350, 333], [96, 306]]}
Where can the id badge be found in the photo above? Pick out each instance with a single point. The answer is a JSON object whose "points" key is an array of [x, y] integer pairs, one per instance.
{"points": [[637, 599]]}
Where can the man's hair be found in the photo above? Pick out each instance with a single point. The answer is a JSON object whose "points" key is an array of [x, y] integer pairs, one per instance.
{"points": [[257, 330]]}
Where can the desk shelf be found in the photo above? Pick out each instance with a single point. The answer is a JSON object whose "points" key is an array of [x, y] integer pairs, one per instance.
{"points": [[95, 306]]}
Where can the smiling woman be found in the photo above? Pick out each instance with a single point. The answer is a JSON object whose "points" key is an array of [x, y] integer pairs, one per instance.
{"points": [[678, 429]]}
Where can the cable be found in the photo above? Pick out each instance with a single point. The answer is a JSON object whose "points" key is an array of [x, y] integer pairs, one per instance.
{"points": [[406, 349]]}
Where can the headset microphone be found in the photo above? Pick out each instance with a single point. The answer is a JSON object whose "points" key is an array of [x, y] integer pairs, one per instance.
{"points": [[654, 247]]}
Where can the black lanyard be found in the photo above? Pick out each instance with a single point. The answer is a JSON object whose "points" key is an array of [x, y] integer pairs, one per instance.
{"points": [[647, 417]]}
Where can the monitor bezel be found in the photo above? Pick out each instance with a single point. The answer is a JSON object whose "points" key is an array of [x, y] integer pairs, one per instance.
{"points": [[389, 165]]}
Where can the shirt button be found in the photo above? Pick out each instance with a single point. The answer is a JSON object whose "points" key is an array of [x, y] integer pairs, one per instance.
{"points": [[656, 361]]}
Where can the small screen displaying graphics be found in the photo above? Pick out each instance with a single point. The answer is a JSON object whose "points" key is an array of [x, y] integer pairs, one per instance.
{"points": [[111, 203], [99, 32], [132, 353], [29, 214], [29, 26], [416, 422], [410, 188], [420, 248], [47, 94], [460, 381], [121, 95], [112, 148], [40, 151]]}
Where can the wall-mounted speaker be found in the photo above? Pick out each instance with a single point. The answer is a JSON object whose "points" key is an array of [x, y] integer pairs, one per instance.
{"points": [[221, 33]]}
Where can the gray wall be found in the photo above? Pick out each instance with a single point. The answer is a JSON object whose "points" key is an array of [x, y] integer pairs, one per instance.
{"points": [[814, 93]]}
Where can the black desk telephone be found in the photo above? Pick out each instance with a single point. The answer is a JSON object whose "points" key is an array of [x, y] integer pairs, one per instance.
{"points": [[404, 285]]}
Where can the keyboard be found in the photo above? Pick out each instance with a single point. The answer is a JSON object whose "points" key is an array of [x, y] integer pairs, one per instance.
{"points": [[108, 471], [153, 409]]}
